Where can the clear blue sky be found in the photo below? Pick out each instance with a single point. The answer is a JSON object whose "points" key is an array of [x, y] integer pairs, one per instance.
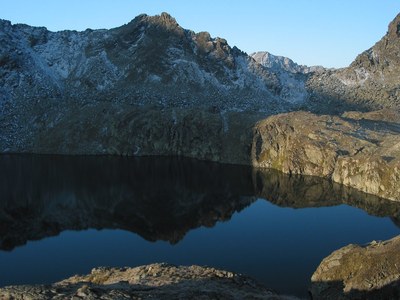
{"points": [[313, 32]]}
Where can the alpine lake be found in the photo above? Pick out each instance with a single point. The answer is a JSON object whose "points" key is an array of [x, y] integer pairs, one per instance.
{"points": [[64, 215]]}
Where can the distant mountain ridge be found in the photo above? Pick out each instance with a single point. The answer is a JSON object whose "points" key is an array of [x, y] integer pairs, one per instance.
{"points": [[279, 63]]}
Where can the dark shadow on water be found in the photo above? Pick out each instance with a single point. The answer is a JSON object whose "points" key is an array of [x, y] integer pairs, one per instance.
{"points": [[158, 198]]}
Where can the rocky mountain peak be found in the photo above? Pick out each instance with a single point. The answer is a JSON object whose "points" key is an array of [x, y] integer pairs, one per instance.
{"points": [[4, 23], [384, 56], [156, 25], [165, 21]]}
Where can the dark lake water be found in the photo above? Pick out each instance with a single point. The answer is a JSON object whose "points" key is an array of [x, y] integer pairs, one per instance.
{"points": [[61, 216]]}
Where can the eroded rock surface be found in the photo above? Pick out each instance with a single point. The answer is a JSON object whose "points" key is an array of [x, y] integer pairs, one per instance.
{"points": [[360, 272], [361, 150], [156, 281]]}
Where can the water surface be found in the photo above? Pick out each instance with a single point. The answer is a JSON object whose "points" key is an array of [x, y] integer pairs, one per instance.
{"points": [[60, 216]]}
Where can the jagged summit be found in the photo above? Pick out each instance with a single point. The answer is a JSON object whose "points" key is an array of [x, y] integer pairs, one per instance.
{"points": [[164, 21]]}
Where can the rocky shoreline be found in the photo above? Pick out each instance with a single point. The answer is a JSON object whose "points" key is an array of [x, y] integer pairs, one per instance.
{"points": [[155, 281]]}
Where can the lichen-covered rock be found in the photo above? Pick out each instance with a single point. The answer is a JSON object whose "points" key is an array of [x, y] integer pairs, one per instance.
{"points": [[357, 150], [155, 281], [360, 272]]}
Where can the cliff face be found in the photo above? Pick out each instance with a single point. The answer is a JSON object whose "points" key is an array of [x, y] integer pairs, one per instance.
{"points": [[361, 150]]}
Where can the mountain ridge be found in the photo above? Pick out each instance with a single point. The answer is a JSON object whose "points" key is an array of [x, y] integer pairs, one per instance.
{"points": [[151, 87]]}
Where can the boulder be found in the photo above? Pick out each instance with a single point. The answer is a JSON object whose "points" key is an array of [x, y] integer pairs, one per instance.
{"points": [[360, 272]]}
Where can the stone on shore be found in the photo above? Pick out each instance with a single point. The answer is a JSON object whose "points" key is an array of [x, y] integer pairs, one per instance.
{"points": [[360, 272]]}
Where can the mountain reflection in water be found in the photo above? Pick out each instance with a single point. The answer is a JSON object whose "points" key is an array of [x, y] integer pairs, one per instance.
{"points": [[158, 198]]}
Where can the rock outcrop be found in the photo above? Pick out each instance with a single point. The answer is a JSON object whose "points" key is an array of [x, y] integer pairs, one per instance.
{"points": [[359, 272], [156, 281], [361, 150]]}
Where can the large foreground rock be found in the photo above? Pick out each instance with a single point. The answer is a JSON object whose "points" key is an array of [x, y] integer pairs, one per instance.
{"points": [[360, 272], [156, 281], [361, 150]]}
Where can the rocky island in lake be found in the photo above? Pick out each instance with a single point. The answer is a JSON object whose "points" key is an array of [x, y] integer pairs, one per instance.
{"points": [[153, 88]]}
